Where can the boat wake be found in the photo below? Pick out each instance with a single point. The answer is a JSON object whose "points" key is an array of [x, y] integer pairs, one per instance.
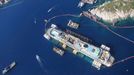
{"points": [[57, 16], [41, 64], [93, 18], [117, 34], [123, 60], [35, 20], [17, 2], [125, 38], [103, 25], [106, 27], [52, 8], [123, 27]]}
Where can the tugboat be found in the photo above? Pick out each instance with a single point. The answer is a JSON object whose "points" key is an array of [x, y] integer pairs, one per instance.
{"points": [[8, 68], [58, 51], [73, 24]]}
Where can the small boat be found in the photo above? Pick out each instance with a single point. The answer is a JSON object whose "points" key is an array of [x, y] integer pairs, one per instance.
{"points": [[58, 51], [3, 2], [45, 20], [37, 57], [81, 4], [8, 68], [49, 10], [73, 24], [35, 21]]}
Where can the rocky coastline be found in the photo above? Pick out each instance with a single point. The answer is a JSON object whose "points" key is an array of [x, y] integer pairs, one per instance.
{"points": [[114, 11]]}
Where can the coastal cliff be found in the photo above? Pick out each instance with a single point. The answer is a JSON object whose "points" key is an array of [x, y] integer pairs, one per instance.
{"points": [[115, 10]]}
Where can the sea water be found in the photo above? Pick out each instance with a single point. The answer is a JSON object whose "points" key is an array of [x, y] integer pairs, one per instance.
{"points": [[21, 39]]}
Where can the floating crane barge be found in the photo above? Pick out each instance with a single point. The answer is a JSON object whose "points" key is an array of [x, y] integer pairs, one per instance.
{"points": [[97, 56]]}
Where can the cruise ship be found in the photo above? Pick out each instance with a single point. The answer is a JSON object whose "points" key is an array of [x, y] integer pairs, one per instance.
{"points": [[97, 56]]}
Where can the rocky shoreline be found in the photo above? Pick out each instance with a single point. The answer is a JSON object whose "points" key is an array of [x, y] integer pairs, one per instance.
{"points": [[113, 14]]}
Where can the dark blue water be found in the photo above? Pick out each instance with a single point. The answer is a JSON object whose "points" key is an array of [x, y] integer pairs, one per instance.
{"points": [[21, 39]]}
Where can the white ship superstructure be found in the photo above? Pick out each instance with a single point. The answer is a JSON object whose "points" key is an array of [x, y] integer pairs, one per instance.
{"points": [[99, 55]]}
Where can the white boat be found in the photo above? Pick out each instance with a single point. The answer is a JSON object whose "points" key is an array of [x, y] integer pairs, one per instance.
{"points": [[73, 24], [105, 47], [8, 68], [81, 4], [58, 51], [3, 2]]}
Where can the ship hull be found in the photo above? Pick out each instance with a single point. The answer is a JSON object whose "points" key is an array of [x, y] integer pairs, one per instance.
{"points": [[95, 55]]}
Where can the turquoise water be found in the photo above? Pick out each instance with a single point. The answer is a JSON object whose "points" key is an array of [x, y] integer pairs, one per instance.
{"points": [[21, 39]]}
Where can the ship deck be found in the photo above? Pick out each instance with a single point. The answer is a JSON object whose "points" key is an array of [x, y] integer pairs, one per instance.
{"points": [[75, 43]]}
